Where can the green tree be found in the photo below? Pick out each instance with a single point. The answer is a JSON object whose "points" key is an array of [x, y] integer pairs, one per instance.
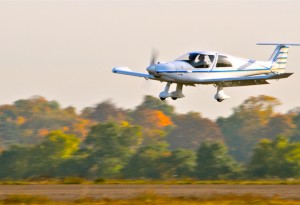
{"points": [[276, 158], [148, 162], [213, 162], [46, 157], [111, 144], [247, 125], [180, 164], [15, 163]]}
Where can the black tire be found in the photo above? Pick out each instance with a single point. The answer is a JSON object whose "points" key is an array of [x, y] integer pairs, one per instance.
{"points": [[162, 98], [174, 98]]}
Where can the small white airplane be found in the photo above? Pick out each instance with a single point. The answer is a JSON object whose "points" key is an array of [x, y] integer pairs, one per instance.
{"points": [[219, 69]]}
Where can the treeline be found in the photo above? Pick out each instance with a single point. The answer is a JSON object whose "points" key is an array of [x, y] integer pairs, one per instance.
{"points": [[39, 139]]}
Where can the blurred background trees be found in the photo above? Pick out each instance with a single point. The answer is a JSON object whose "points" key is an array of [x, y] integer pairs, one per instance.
{"points": [[40, 139]]}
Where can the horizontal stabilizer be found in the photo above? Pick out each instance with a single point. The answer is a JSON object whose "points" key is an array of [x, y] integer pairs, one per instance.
{"points": [[276, 44], [127, 71]]}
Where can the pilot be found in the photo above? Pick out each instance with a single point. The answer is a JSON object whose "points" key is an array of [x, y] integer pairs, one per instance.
{"points": [[201, 62]]}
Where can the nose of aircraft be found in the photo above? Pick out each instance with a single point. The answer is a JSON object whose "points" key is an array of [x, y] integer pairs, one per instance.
{"points": [[151, 69], [159, 68]]}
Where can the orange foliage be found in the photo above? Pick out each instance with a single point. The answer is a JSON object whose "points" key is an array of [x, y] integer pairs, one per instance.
{"points": [[20, 120], [157, 118], [43, 132], [82, 127], [65, 129]]}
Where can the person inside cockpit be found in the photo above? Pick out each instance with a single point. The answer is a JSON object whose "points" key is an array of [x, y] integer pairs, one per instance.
{"points": [[201, 62]]}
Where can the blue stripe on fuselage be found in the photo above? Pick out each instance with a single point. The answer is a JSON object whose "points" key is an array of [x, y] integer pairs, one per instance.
{"points": [[208, 71]]}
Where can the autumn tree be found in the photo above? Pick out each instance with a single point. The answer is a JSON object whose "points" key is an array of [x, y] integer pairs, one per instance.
{"points": [[155, 118], [28, 121], [153, 103]]}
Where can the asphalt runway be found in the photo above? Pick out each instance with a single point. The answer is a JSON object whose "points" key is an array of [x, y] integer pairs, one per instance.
{"points": [[72, 192]]}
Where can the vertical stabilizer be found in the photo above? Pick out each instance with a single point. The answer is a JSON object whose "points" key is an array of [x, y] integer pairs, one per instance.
{"points": [[279, 56]]}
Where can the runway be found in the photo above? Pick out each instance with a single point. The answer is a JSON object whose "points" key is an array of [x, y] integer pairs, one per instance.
{"points": [[72, 192]]}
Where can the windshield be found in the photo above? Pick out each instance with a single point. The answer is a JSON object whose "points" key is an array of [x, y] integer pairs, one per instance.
{"points": [[197, 60]]}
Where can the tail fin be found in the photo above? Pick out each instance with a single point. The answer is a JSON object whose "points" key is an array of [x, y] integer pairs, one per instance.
{"points": [[279, 56]]}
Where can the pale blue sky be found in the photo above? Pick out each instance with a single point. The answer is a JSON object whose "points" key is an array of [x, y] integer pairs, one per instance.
{"points": [[65, 50]]}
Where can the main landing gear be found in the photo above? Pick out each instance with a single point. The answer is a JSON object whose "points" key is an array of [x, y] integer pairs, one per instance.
{"points": [[174, 95], [220, 95]]}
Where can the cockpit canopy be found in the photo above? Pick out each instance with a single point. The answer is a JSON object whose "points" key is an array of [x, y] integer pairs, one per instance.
{"points": [[205, 59], [198, 59]]}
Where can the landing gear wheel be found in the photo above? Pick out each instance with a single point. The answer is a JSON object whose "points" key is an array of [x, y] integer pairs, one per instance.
{"points": [[219, 100], [162, 98], [173, 98]]}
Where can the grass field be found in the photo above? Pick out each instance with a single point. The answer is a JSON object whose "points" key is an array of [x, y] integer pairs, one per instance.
{"points": [[154, 199]]}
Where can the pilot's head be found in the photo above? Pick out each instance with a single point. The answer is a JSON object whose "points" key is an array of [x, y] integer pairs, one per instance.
{"points": [[201, 57]]}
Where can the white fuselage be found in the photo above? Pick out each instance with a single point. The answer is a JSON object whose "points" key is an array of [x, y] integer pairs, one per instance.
{"points": [[180, 71]]}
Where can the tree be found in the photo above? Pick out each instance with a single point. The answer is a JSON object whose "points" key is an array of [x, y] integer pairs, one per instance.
{"points": [[104, 112], [14, 163], [148, 162], [38, 161], [279, 124], [154, 124], [153, 103], [277, 158], [46, 157], [246, 126], [213, 162], [28, 121], [190, 130], [296, 121], [110, 145], [180, 164]]}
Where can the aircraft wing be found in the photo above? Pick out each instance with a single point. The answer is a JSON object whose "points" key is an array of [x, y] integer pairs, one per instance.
{"points": [[247, 80], [127, 71]]}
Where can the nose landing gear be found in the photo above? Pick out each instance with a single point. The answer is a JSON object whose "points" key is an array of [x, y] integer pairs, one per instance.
{"points": [[174, 95]]}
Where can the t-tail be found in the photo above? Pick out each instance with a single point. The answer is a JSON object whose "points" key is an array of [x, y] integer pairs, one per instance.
{"points": [[278, 58]]}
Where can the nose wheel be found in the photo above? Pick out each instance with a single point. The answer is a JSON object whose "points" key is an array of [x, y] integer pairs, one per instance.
{"points": [[174, 95]]}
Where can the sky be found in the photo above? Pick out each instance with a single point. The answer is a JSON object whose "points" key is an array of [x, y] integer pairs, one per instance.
{"points": [[65, 50]]}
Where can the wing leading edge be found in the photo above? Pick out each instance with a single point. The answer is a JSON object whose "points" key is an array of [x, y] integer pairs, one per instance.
{"points": [[127, 71]]}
